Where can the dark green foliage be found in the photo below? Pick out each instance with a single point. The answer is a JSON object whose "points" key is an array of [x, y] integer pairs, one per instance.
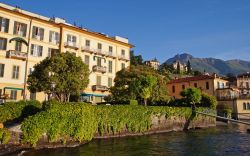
{"points": [[135, 60], [125, 85], [4, 136], [224, 109], [81, 121], [191, 95], [68, 72], [133, 102], [18, 110], [178, 68], [208, 101]]}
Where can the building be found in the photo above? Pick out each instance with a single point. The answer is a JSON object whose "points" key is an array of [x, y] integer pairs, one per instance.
{"points": [[175, 64], [207, 83], [243, 83], [155, 64], [239, 103], [46, 36]]}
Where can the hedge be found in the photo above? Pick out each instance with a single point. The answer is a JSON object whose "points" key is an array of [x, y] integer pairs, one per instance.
{"points": [[81, 121], [18, 110], [4, 136]]}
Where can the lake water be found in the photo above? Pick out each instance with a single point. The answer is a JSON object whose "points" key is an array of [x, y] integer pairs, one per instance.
{"points": [[232, 140]]}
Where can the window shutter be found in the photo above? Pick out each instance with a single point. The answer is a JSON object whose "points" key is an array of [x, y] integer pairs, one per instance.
{"points": [[24, 29], [74, 39], [41, 33], [5, 44], [40, 51], [57, 38], [32, 49], [15, 28], [33, 32], [1, 21], [7, 25], [50, 36]]}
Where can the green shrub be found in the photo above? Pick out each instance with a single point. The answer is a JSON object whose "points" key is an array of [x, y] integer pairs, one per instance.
{"points": [[81, 121], [224, 109], [18, 110], [208, 101], [133, 102], [191, 95], [4, 136]]}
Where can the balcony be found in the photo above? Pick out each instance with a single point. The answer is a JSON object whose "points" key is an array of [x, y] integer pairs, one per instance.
{"points": [[101, 69], [97, 51], [16, 55], [122, 57], [99, 88], [72, 45]]}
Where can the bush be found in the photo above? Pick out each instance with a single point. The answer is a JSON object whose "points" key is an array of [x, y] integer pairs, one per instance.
{"points": [[80, 121], [208, 101], [225, 110], [18, 110], [191, 95], [133, 102], [4, 136]]}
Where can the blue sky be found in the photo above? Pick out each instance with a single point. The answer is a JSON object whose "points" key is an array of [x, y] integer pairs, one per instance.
{"points": [[161, 28]]}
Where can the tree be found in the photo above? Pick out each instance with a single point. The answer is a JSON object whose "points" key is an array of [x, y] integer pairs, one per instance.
{"points": [[128, 80], [66, 71], [191, 95], [189, 69], [178, 68], [144, 86], [135, 60]]}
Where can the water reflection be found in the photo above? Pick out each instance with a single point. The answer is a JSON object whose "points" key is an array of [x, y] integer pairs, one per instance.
{"points": [[222, 140]]}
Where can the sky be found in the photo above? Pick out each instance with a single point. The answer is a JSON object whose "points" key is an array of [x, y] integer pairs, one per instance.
{"points": [[160, 28]]}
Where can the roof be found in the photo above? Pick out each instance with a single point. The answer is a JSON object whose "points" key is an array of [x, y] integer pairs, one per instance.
{"points": [[244, 75], [31, 15], [194, 78]]}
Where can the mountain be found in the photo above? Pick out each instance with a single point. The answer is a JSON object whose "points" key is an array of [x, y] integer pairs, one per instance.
{"points": [[213, 65]]}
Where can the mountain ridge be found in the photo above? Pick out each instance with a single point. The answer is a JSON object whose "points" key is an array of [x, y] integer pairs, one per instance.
{"points": [[213, 65]]}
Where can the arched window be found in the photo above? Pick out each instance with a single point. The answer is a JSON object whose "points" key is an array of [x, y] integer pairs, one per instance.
{"points": [[248, 106]]}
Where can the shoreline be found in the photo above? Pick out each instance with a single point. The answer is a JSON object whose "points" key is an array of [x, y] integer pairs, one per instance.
{"points": [[159, 125]]}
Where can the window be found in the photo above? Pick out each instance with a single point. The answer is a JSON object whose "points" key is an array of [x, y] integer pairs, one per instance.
{"points": [[244, 106], [71, 39], [4, 24], [37, 33], [218, 84], [87, 43], [195, 85], [110, 82], [110, 66], [173, 89], [247, 84], [18, 46], [110, 49], [123, 52], [98, 80], [99, 46], [1, 92], [2, 70], [123, 65], [183, 86], [54, 37], [207, 85], [36, 50], [3, 43], [86, 59], [248, 106], [15, 72], [20, 29], [13, 94], [32, 96], [99, 61], [31, 70], [52, 52]]}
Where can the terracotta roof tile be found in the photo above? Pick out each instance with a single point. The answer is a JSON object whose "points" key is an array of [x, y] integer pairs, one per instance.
{"points": [[194, 78]]}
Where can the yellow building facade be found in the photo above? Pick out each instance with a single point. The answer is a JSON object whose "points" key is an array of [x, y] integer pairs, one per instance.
{"points": [[206, 83], [46, 36]]}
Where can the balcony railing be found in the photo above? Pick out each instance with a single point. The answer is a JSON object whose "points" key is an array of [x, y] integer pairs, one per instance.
{"points": [[17, 55], [98, 51], [72, 45], [122, 57], [101, 69], [233, 97], [99, 88]]}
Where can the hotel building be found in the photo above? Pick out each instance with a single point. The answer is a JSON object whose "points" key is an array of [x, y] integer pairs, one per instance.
{"points": [[47, 36]]}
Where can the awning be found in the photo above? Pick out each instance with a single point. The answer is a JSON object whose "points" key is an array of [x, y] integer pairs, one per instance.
{"points": [[98, 95], [13, 88]]}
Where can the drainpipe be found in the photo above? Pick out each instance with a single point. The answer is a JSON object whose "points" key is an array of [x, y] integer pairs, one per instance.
{"points": [[26, 63]]}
